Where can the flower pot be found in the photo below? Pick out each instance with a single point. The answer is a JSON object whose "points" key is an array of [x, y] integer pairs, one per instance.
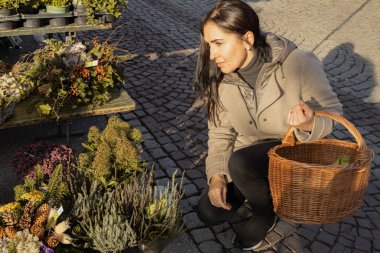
{"points": [[32, 23], [7, 25], [5, 12], [59, 21], [57, 9], [80, 20]]}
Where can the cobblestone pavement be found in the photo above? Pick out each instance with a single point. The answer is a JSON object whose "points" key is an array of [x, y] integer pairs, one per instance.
{"points": [[162, 36]]}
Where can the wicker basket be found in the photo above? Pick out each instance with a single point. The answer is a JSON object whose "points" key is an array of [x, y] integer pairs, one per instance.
{"points": [[306, 184]]}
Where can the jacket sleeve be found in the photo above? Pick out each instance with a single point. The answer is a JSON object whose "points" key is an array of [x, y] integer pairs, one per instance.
{"points": [[318, 94], [221, 139]]}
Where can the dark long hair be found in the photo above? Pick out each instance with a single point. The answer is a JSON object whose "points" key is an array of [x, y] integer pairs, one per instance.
{"points": [[232, 16]]}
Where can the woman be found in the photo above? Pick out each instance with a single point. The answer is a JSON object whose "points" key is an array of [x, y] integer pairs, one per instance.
{"points": [[255, 85]]}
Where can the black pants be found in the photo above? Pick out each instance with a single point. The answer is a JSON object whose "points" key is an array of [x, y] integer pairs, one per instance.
{"points": [[248, 169]]}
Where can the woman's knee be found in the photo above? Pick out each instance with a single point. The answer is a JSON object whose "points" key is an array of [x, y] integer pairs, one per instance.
{"points": [[207, 213], [239, 164]]}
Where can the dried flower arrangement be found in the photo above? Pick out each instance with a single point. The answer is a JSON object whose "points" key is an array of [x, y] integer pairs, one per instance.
{"points": [[72, 73]]}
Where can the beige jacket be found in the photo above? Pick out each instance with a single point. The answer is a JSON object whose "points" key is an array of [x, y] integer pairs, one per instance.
{"points": [[294, 75]]}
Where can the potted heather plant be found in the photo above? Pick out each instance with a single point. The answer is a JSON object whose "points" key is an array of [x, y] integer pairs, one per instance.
{"points": [[57, 6], [108, 10], [7, 7]]}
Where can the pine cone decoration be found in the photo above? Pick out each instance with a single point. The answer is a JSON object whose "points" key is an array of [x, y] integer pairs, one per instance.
{"points": [[42, 216], [37, 230], [52, 242], [26, 218], [10, 232], [9, 219], [2, 232]]}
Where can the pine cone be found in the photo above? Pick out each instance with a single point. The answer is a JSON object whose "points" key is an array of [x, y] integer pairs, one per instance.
{"points": [[42, 214], [26, 218], [37, 230], [10, 232], [52, 242], [2, 232], [9, 219]]}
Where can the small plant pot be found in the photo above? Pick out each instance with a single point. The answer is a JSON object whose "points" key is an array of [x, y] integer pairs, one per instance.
{"points": [[80, 20], [5, 12], [57, 9], [59, 21], [7, 25], [32, 23]]}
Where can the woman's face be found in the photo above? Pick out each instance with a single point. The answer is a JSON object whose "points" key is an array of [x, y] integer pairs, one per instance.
{"points": [[228, 50]]}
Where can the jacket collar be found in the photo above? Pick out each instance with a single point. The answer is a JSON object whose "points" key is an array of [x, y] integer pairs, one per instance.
{"points": [[280, 48]]}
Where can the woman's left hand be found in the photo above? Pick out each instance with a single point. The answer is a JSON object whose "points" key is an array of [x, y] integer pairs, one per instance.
{"points": [[301, 116]]}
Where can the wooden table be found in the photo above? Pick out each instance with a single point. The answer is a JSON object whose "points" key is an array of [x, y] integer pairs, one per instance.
{"points": [[120, 102], [53, 29]]}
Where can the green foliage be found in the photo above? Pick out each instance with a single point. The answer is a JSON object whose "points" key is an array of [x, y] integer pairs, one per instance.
{"points": [[112, 155], [112, 7], [58, 3], [55, 191], [11, 4]]}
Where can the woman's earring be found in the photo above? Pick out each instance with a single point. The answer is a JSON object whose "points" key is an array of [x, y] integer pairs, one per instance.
{"points": [[249, 48]]}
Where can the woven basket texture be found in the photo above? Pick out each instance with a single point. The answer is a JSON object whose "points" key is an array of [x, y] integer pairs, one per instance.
{"points": [[307, 185]]}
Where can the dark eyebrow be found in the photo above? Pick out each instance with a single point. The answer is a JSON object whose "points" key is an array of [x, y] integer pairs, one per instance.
{"points": [[213, 41]]}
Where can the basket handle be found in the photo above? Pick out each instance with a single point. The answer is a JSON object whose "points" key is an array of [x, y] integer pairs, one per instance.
{"points": [[289, 138]]}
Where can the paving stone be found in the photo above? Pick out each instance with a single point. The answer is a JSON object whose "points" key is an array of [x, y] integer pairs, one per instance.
{"points": [[317, 247], [295, 242], [226, 238], [362, 244], [190, 190], [201, 183], [201, 235], [194, 174], [158, 153], [185, 207], [326, 238], [376, 244], [178, 155], [365, 233], [284, 228], [210, 247], [192, 221], [185, 164], [337, 248], [193, 201]]}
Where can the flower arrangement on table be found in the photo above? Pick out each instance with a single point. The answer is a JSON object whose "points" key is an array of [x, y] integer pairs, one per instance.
{"points": [[14, 87], [105, 201], [69, 74]]}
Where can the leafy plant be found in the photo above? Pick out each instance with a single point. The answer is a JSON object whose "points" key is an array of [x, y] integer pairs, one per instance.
{"points": [[58, 3], [11, 4], [112, 7], [54, 191], [112, 155]]}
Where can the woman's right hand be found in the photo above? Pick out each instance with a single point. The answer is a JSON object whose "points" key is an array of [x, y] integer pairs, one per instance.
{"points": [[218, 191]]}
